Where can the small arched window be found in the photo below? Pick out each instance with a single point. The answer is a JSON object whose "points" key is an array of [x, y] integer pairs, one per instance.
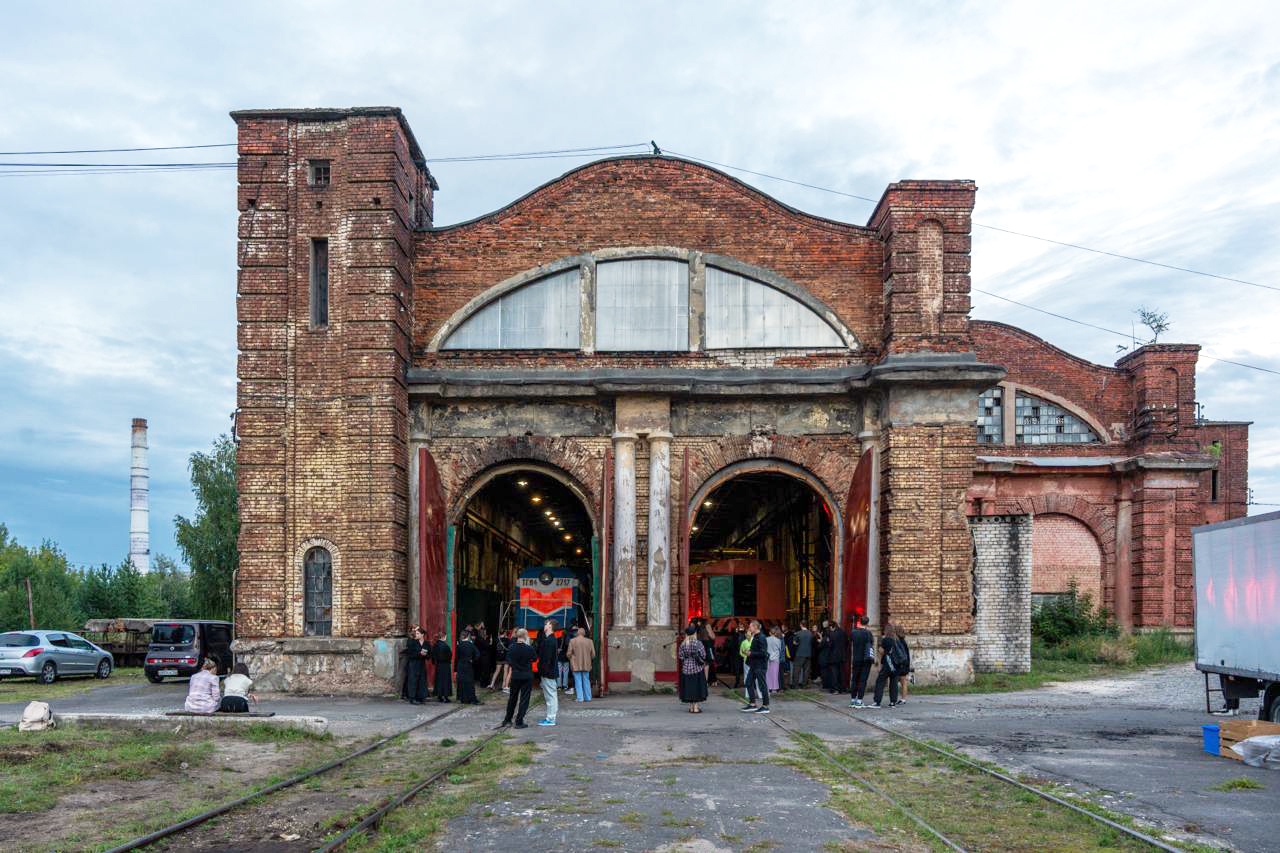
{"points": [[1038, 421], [317, 572]]}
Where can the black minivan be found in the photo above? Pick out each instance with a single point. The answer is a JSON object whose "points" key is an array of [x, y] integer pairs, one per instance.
{"points": [[179, 648]]}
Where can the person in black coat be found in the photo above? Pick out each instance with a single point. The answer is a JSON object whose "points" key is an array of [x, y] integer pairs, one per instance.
{"points": [[415, 669], [757, 664], [824, 652], [442, 656], [862, 655], [836, 658], [520, 657], [889, 668], [465, 666]]}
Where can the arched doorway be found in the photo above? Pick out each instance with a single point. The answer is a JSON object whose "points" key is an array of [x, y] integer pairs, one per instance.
{"points": [[763, 541], [514, 518]]}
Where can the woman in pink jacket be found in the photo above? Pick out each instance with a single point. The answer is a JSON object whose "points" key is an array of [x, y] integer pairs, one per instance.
{"points": [[202, 695]]}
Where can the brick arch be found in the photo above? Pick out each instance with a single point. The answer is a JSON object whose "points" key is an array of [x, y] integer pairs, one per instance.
{"points": [[464, 464], [831, 466]]}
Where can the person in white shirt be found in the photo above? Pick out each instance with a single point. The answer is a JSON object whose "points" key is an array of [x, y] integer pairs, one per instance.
{"points": [[236, 695]]}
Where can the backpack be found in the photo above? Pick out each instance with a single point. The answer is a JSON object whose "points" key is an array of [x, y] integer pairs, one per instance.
{"points": [[36, 717], [899, 658]]}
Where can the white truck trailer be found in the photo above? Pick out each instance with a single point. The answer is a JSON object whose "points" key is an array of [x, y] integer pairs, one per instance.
{"points": [[1237, 575]]}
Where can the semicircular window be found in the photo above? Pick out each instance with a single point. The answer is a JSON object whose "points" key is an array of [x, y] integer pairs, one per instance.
{"points": [[743, 313], [541, 315], [1037, 421]]}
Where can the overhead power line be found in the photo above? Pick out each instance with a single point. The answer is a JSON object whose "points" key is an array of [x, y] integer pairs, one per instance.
{"points": [[117, 150], [1069, 245], [1128, 336]]}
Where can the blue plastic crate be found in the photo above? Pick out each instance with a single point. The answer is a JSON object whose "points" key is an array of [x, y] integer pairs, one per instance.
{"points": [[1212, 744]]}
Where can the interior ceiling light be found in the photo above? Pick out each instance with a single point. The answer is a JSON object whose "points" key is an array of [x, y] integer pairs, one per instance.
{"points": [[707, 504], [558, 524], [522, 483], [536, 499], [577, 550], [568, 537], [695, 528], [546, 512]]}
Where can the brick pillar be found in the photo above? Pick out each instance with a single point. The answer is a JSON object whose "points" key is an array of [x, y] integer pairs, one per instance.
{"points": [[924, 226], [324, 405], [1002, 577]]}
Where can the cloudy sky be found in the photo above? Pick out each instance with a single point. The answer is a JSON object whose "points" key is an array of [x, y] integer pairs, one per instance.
{"points": [[1145, 129]]}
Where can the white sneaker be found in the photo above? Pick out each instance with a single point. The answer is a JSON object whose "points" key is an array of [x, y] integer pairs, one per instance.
{"points": [[1225, 712]]}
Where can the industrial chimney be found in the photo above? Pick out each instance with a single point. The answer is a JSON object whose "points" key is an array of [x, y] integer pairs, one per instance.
{"points": [[139, 499]]}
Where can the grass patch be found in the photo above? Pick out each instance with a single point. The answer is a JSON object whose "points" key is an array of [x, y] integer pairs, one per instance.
{"points": [[36, 768], [265, 733], [606, 842], [1243, 783], [30, 690], [1075, 659], [947, 795], [632, 819], [416, 825]]}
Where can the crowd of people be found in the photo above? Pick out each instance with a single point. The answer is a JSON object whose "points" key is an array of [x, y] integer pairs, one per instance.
{"points": [[764, 659], [560, 660], [761, 659]]}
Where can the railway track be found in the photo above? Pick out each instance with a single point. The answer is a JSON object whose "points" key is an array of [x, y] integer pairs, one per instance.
{"points": [[336, 843], [1003, 777]]}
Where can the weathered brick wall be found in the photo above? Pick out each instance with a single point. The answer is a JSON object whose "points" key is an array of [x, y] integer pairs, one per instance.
{"points": [[1232, 453], [1002, 570], [323, 417], [1064, 551], [926, 548]]}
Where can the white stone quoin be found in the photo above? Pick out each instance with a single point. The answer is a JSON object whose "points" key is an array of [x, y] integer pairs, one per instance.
{"points": [[659, 529]]}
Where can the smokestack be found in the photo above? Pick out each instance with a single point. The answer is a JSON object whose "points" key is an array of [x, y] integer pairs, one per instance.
{"points": [[139, 499]]}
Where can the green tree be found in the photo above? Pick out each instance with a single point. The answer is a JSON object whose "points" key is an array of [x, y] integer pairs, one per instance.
{"points": [[53, 586], [209, 541], [169, 589], [98, 594]]}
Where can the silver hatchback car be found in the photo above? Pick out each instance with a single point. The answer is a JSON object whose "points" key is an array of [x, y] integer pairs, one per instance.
{"points": [[49, 655]]}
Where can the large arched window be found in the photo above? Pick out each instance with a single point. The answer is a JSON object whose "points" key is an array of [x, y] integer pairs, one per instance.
{"points": [[642, 304], [645, 303], [541, 315], [317, 573], [744, 313]]}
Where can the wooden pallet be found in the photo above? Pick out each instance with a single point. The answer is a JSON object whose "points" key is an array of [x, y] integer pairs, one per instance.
{"points": [[1231, 732]]}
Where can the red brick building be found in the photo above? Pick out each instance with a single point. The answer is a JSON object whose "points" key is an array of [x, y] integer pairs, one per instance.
{"points": [[649, 371]]}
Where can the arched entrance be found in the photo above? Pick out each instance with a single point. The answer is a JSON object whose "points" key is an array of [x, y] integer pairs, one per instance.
{"points": [[763, 541], [513, 518]]}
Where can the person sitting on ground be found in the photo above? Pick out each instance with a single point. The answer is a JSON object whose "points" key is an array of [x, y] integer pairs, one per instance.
{"points": [[235, 691], [202, 694]]}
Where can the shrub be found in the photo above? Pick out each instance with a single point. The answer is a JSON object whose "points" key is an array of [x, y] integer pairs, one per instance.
{"points": [[1070, 616]]}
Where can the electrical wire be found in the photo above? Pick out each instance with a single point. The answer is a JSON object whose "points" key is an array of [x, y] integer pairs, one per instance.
{"points": [[117, 150], [989, 227], [1126, 335]]}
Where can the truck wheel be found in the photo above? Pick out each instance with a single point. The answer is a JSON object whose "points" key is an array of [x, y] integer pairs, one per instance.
{"points": [[49, 673], [104, 668], [153, 678]]}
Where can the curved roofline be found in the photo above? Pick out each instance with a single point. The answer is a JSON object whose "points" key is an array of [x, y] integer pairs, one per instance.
{"points": [[1034, 338], [751, 190]]}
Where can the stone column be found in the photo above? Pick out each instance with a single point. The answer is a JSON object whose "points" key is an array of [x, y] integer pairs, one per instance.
{"points": [[659, 528], [1123, 598], [624, 530], [870, 440]]}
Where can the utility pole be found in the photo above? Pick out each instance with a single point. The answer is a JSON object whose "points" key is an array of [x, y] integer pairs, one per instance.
{"points": [[31, 610]]}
